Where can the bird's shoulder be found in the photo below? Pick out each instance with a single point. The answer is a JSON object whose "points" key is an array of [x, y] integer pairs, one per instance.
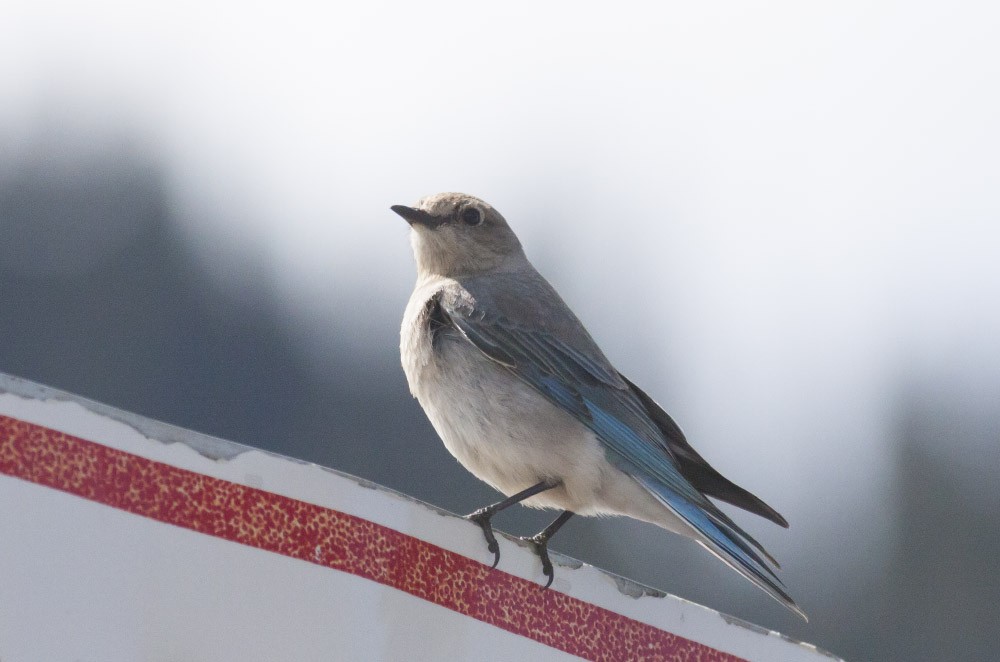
{"points": [[524, 308], [517, 299]]}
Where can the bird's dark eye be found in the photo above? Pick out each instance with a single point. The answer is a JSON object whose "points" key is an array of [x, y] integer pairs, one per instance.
{"points": [[471, 216]]}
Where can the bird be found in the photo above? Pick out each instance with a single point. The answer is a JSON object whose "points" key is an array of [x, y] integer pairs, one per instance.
{"points": [[522, 397]]}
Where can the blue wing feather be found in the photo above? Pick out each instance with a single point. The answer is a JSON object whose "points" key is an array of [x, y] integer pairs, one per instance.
{"points": [[598, 397]]}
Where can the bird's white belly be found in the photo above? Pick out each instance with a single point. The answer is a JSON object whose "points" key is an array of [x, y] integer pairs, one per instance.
{"points": [[501, 429]]}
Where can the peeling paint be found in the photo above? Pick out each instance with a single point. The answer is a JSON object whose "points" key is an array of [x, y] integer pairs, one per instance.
{"points": [[739, 622], [205, 445], [634, 589]]}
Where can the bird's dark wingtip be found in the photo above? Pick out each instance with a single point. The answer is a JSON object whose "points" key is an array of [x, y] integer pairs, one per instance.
{"points": [[770, 513]]}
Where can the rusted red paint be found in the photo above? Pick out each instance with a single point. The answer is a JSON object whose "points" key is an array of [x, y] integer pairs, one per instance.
{"points": [[335, 540]]}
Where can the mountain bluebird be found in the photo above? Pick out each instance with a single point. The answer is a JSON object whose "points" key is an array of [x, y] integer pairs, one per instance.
{"points": [[525, 400]]}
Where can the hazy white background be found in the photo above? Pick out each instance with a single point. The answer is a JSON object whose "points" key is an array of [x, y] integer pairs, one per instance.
{"points": [[781, 219]]}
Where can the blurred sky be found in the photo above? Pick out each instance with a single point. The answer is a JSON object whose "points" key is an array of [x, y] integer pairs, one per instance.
{"points": [[780, 219]]}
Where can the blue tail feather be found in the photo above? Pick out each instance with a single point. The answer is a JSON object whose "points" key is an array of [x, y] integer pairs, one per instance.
{"points": [[733, 546]]}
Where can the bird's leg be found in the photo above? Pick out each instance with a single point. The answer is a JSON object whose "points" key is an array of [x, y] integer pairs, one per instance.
{"points": [[540, 541], [483, 516]]}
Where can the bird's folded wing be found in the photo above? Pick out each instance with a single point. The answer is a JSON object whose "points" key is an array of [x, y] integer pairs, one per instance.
{"points": [[576, 377]]}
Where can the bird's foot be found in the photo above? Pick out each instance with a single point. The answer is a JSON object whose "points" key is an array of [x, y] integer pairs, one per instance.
{"points": [[482, 517], [540, 544]]}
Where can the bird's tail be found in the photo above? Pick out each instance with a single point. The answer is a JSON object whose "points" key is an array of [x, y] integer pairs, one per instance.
{"points": [[728, 542]]}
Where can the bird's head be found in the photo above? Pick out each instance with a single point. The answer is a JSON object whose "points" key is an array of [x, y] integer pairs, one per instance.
{"points": [[456, 234]]}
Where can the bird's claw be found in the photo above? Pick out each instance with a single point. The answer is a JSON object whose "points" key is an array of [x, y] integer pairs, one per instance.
{"points": [[541, 547], [482, 518]]}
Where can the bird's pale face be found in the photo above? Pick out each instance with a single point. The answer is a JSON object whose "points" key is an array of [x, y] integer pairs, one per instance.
{"points": [[456, 234]]}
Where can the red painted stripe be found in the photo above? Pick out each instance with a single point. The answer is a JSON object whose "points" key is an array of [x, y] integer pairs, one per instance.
{"points": [[335, 540]]}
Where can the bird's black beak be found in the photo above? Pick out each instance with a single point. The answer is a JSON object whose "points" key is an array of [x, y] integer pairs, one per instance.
{"points": [[414, 216]]}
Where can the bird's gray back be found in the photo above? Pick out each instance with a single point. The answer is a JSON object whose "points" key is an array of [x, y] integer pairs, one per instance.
{"points": [[525, 301]]}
